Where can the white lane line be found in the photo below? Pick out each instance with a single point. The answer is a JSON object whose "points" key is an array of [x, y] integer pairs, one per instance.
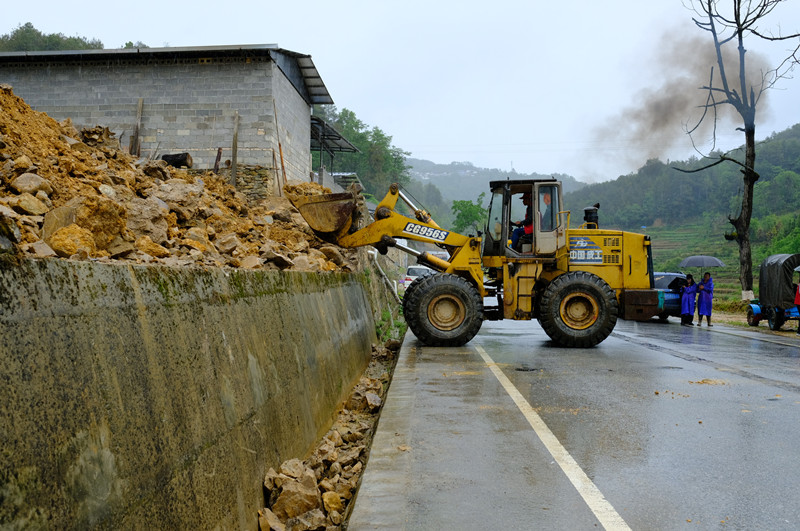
{"points": [[601, 508]]}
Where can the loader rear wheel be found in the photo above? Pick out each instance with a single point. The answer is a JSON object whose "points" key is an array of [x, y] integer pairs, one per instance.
{"points": [[578, 309], [443, 310]]}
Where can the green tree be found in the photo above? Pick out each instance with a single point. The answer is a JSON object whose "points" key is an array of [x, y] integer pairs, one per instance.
{"points": [[731, 23], [26, 38], [138, 44], [428, 197], [378, 163], [469, 215]]}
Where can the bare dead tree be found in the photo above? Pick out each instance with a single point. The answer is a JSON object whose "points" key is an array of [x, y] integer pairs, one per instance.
{"points": [[730, 22]]}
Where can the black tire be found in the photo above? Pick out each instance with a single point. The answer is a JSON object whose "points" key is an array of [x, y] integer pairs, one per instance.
{"points": [[776, 319], [409, 290], [751, 317], [443, 310], [579, 309], [663, 316]]}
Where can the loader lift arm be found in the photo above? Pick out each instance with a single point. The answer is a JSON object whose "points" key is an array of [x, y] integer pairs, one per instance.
{"points": [[389, 225]]}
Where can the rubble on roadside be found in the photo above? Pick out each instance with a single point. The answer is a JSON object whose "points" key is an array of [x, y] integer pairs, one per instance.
{"points": [[316, 494], [76, 195]]}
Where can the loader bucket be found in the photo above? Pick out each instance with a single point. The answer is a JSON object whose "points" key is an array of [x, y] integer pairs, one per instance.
{"points": [[327, 213]]}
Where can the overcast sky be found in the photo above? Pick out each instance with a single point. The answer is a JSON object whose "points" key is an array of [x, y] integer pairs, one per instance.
{"points": [[570, 87]]}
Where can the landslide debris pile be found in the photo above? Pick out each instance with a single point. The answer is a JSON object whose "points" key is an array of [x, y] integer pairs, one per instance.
{"points": [[76, 194], [316, 494]]}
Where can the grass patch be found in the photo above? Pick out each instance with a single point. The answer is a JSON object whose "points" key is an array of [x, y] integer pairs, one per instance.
{"points": [[673, 244], [388, 327]]}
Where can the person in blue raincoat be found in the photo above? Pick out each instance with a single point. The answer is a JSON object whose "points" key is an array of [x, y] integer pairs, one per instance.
{"points": [[688, 300], [705, 294]]}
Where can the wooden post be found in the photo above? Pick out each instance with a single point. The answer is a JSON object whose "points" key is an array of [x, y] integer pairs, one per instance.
{"points": [[216, 162], [278, 137], [277, 177], [135, 146], [235, 148]]}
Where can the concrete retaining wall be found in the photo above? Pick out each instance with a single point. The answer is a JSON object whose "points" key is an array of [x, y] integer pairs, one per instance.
{"points": [[148, 397]]}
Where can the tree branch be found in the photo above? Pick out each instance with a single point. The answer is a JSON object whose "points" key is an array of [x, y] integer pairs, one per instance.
{"points": [[682, 170]]}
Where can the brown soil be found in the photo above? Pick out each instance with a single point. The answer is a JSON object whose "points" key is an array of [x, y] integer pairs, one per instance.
{"points": [[195, 218]]}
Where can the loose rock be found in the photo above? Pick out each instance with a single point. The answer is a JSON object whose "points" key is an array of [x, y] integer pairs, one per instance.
{"points": [[336, 464], [82, 177]]}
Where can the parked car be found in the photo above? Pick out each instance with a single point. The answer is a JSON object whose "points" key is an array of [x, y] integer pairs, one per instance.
{"points": [[412, 273], [670, 284], [775, 301]]}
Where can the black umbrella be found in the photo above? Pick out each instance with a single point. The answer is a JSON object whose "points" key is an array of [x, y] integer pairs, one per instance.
{"points": [[701, 260]]}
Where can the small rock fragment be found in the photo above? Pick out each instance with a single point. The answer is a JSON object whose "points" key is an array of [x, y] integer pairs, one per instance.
{"points": [[68, 240], [250, 262], [332, 502], [9, 228], [335, 517], [373, 401], [227, 243], [267, 521], [40, 250], [298, 496], [312, 520], [146, 245], [333, 254], [27, 204], [31, 183], [293, 468]]}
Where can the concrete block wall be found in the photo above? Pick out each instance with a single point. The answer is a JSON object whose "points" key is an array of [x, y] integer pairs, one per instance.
{"points": [[294, 131], [189, 105], [147, 397]]}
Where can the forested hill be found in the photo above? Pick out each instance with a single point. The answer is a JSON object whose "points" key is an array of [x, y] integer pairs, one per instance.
{"points": [[660, 195], [464, 181]]}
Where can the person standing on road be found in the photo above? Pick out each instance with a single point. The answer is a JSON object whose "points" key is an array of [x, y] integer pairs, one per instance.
{"points": [[797, 303], [688, 300], [705, 294]]}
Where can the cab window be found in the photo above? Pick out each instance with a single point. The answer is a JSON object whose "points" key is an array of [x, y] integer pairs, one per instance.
{"points": [[548, 208]]}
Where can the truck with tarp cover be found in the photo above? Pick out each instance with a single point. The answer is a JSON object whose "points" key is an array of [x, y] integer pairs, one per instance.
{"points": [[776, 291]]}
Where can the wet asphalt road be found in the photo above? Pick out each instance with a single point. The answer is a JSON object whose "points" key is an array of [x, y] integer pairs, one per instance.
{"points": [[658, 427]]}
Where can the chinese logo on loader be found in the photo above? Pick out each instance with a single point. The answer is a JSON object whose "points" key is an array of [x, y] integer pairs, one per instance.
{"points": [[583, 250]]}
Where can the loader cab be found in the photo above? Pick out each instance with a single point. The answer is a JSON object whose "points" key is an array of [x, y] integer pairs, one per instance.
{"points": [[535, 203]]}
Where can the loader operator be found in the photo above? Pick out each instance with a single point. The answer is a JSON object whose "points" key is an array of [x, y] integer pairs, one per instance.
{"points": [[546, 219], [525, 226]]}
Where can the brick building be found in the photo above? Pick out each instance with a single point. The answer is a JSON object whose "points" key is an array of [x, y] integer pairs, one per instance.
{"points": [[183, 100]]}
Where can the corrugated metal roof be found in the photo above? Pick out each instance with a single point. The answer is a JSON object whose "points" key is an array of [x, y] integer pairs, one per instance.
{"points": [[134, 51], [326, 137], [291, 63]]}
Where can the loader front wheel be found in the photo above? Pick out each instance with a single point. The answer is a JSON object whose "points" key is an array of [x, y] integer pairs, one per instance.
{"points": [[443, 310], [578, 309], [409, 290]]}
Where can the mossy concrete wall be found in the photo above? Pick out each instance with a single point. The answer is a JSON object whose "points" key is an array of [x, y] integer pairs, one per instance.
{"points": [[145, 397]]}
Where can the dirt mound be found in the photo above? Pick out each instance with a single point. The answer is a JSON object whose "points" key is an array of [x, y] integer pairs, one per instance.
{"points": [[76, 194]]}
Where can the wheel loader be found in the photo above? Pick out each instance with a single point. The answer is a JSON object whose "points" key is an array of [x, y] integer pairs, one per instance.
{"points": [[576, 282]]}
